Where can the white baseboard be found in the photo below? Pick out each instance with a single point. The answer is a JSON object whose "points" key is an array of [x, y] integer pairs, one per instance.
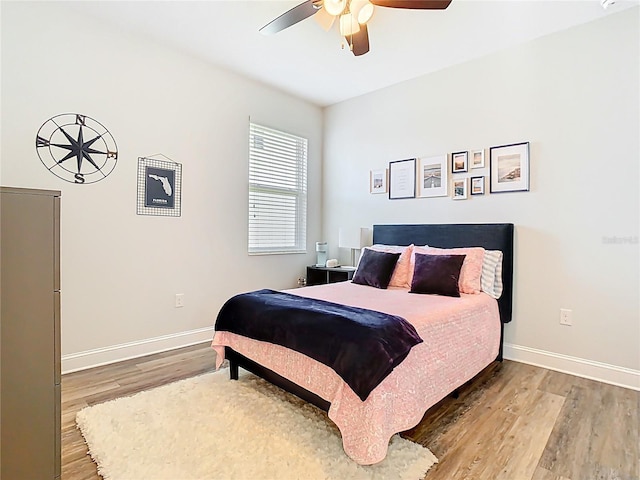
{"points": [[602, 372], [116, 353]]}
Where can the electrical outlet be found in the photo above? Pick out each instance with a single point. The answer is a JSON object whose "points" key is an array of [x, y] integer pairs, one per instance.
{"points": [[179, 300], [565, 317]]}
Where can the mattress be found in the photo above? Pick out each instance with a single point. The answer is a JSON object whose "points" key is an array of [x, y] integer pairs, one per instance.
{"points": [[461, 337]]}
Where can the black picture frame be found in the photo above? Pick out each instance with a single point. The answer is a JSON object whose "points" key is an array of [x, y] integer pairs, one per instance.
{"points": [[474, 181], [402, 179], [159, 187], [457, 157], [509, 169]]}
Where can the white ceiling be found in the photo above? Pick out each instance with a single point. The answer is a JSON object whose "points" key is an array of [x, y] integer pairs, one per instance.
{"points": [[310, 63]]}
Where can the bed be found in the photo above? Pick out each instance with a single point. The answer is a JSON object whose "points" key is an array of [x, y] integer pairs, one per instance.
{"points": [[461, 337]]}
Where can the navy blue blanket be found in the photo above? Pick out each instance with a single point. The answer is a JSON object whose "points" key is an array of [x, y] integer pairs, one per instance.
{"points": [[362, 346]]}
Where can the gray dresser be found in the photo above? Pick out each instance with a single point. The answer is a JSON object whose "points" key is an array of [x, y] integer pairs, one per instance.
{"points": [[30, 334]]}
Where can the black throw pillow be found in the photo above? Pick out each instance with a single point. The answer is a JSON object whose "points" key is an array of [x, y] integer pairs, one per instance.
{"points": [[437, 274], [376, 268]]}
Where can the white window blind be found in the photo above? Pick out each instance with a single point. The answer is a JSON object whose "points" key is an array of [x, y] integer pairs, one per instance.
{"points": [[277, 191]]}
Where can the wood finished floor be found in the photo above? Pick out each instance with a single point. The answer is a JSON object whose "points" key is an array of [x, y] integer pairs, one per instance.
{"points": [[513, 422]]}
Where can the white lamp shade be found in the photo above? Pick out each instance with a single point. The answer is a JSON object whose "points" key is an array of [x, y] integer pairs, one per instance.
{"points": [[355, 238], [324, 19], [334, 7], [362, 10]]}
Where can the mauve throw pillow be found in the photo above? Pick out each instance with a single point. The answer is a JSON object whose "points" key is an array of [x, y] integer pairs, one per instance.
{"points": [[437, 274], [375, 268], [471, 271]]}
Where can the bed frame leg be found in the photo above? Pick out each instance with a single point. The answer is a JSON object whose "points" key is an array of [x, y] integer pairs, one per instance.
{"points": [[233, 370], [500, 358]]}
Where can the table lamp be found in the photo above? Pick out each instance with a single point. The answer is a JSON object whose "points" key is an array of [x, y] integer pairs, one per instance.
{"points": [[354, 239]]}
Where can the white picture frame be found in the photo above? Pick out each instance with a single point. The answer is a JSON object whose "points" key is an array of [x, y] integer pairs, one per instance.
{"points": [[477, 158], [433, 176], [378, 181], [459, 188]]}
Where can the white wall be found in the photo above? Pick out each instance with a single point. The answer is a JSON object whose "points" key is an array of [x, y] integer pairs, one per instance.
{"points": [[120, 271], [575, 96]]}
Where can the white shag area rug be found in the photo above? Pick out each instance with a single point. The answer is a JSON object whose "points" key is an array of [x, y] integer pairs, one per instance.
{"points": [[209, 427]]}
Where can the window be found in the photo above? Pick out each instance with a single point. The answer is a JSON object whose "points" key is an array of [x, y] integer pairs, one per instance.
{"points": [[277, 191]]}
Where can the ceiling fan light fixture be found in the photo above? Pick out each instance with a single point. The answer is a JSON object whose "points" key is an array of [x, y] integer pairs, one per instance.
{"points": [[348, 25], [324, 19], [362, 9], [335, 7], [353, 16]]}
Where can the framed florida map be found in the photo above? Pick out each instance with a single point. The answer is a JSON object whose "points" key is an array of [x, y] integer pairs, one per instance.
{"points": [[159, 187]]}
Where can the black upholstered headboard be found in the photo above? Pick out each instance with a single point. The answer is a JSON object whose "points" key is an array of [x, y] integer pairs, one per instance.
{"points": [[491, 236]]}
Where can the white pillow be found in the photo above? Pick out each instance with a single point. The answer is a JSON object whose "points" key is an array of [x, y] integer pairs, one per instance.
{"points": [[491, 278]]}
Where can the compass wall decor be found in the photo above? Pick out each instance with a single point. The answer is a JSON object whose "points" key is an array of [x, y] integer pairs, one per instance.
{"points": [[76, 148]]}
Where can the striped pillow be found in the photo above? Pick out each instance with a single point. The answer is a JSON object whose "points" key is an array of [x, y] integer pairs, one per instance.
{"points": [[491, 278]]}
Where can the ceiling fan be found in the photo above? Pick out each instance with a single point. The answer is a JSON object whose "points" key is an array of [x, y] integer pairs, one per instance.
{"points": [[353, 16]]}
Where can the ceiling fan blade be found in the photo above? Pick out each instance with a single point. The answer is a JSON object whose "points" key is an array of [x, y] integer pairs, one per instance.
{"points": [[415, 4], [291, 17], [359, 42]]}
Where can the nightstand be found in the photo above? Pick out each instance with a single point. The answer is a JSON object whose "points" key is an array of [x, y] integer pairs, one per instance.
{"points": [[323, 275]]}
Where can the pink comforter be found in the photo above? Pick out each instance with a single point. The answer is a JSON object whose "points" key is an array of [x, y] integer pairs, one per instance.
{"points": [[461, 337]]}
